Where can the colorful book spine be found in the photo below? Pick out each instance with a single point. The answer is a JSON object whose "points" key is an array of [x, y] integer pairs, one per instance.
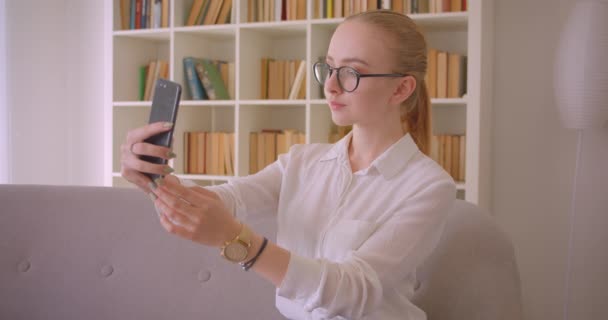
{"points": [[197, 91]]}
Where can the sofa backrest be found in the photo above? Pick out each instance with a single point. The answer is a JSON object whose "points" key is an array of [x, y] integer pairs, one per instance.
{"points": [[71, 252], [472, 273]]}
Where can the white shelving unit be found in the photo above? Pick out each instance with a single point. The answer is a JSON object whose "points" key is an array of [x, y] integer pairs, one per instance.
{"points": [[245, 44]]}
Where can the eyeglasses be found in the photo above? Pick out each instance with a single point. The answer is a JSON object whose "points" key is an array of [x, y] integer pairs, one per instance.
{"points": [[348, 78]]}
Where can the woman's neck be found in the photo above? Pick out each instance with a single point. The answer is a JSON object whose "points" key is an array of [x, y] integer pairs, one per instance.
{"points": [[367, 144]]}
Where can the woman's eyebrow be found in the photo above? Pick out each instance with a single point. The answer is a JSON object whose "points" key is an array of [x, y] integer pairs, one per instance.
{"points": [[357, 60]]}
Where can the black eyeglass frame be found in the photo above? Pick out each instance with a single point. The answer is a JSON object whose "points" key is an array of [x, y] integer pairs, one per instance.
{"points": [[357, 73]]}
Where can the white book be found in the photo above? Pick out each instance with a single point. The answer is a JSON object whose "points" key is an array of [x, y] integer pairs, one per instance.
{"points": [[156, 14], [295, 88], [277, 10]]}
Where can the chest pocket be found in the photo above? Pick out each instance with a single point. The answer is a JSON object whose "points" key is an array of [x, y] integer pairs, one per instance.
{"points": [[346, 236]]}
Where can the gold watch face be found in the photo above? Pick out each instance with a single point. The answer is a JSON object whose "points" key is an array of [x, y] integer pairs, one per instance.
{"points": [[236, 252]]}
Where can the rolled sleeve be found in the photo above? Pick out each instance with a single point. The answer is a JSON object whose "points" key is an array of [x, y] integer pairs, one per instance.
{"points": [[254, 195]]}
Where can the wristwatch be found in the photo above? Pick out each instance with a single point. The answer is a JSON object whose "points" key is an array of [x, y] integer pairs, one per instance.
{"points": [[237, 249]]}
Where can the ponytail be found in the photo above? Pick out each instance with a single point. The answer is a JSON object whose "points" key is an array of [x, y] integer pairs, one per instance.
{"points": [[416, 116]]}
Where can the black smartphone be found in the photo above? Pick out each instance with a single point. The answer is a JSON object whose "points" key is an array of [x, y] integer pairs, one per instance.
{"points": [[165, 103]]}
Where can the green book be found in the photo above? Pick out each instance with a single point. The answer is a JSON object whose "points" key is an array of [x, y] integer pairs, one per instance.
{"points": [[212, 80], [142, 82]]}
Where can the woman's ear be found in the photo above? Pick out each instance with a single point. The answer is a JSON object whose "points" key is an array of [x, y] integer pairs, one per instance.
{"points": [[404, 90]]}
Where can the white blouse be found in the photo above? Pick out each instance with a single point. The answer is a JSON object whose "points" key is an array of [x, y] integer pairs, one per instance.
{"points": [[355, 239]]}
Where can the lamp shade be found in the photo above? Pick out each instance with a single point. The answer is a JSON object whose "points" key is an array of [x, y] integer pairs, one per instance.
{"points": [[581, 67]]}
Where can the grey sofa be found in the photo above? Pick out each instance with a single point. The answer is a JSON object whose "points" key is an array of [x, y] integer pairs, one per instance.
{"points": [[70, 252]]}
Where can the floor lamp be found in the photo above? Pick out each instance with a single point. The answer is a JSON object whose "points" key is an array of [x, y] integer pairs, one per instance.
{"points": [[581, 87]]}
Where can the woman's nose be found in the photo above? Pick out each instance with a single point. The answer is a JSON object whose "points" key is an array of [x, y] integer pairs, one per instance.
{"points": [[331, 84]]}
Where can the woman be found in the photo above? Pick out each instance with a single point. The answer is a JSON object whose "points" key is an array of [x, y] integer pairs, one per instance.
{"points": [[354, 219]]}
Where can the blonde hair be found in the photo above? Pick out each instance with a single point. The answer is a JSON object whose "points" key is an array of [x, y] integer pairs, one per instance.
{"points": [[410, 55]]}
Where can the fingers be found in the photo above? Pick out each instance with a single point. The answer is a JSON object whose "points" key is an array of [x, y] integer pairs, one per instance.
{"points": [[145, 132], [133, 147], [175, 204], [132, 168], [148, 149], [172, 185], [176, 215], [137, 178], [175, 228]]}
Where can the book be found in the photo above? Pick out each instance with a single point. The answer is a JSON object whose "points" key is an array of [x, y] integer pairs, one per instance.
{"points": [[195, 10], [142, 82], [201, 152], [149, 79], [157, 14], [261, 147], [299, 80], [456, 75], [264, 81], [228, 153], [253, 152], [213, 12], [194, 84], [455, 156], [461, 170], [442, 74], [125, 14], [138, 4], [220, 155], [434, 154], [203, 13], [209, 153], [225, 12], [165, 14], [211, 80], [270, 147]]}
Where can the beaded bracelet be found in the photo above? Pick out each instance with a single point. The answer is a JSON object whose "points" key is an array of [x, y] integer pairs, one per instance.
{"points": [[247, 265]]}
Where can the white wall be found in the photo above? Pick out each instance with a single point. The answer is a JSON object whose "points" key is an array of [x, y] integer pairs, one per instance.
{"points": [[533, 169], [4, 123], [55, 91]]}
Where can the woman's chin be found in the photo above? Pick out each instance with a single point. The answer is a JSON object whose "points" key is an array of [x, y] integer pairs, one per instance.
{"points": [[340, 121]]}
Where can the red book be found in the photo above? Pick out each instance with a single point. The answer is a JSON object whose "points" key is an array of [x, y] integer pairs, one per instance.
{"points": [[283, 10], [137, 14]]}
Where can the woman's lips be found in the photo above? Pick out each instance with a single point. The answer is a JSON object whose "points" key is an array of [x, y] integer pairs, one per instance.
{"points": [[336, 106]]}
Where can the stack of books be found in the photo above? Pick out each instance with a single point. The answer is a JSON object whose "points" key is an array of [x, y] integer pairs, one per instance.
{"points": [[449, 152], [446, 74], [144, 14], [275, 10], [148, 74], [209, 79], [209, 153], [266, 145], [207, 12], [283, 79], [343, 8]]}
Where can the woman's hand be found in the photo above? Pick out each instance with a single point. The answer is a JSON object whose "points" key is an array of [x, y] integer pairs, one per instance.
{"points": [[134, 146], [194, 213]]}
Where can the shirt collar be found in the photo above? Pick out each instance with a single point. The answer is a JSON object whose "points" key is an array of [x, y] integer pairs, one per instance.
{"points": [[390, 162]]}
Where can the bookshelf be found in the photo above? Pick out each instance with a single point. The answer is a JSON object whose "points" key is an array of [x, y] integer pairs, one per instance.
{"points": [[245, 43]]}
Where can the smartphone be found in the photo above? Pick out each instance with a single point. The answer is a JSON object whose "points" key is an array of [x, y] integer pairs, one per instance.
{"points": [[165, 103]]}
